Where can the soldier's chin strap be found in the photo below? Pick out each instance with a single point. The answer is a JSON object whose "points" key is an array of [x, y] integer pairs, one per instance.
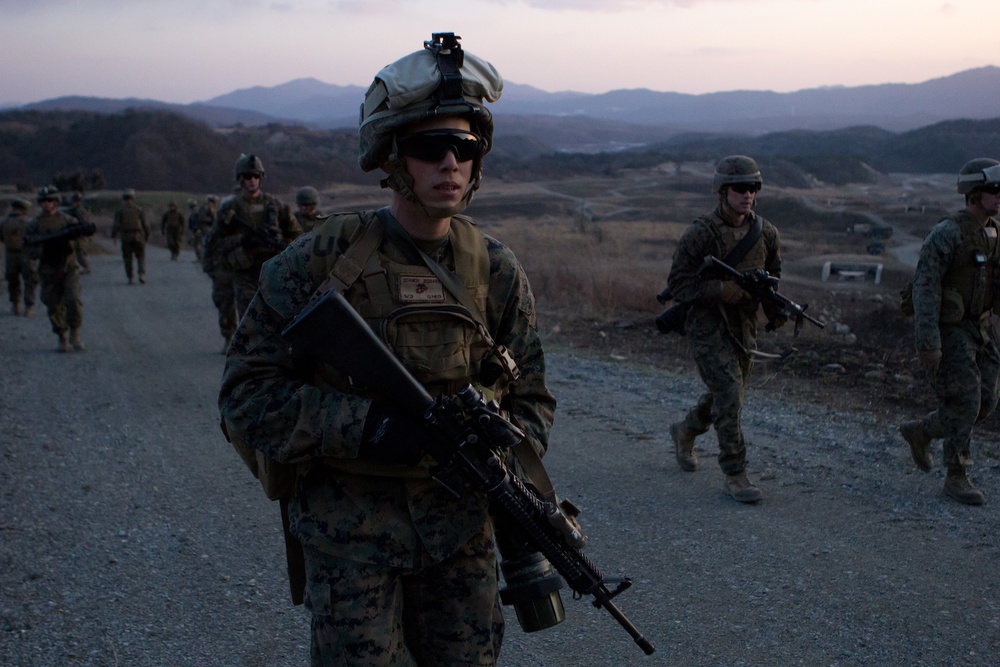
{"points": [[401, 181]]}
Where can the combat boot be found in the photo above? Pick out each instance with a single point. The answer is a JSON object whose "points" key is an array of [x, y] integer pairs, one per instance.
{"points": [[958, 486], [29, 311], [142, 278], [74, 340], [683, 438], [63, 343], [920, 443], [742, 489], [15, 308], [225, 345]]}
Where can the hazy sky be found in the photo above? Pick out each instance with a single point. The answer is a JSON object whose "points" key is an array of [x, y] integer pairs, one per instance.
{"points": [[191, 50]]}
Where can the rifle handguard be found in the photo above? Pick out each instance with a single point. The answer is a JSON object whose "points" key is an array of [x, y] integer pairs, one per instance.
{"points": [[562, 516]]}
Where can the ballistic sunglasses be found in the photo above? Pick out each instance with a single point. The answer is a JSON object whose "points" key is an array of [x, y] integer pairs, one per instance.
{"points": [[433, 145], [744, 188]]}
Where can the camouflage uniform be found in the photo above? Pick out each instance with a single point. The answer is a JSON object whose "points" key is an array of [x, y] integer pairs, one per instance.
{"points": [[78, 210], [307, 220], [363, 523], [721, 335], [60, 277], [130, 223], [245, 234], [172, 227], [948, 316], [20, 270], [200, 221]]}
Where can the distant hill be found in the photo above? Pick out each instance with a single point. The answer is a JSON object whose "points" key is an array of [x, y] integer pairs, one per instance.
{"points": [[164, 150], [584, 122]]}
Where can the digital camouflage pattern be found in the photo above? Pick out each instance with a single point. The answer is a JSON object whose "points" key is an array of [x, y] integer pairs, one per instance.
{"points": [[232, 247], [384, 515], [966, 381], [720, 335], [172, 227], [59, 273]]}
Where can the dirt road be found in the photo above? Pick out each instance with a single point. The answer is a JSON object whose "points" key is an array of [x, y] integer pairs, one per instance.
{"points": [[131, 534]]}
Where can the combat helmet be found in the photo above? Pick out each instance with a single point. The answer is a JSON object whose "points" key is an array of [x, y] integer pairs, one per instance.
{"points": [[977, 173], [307, 195], [440, 80], [48, 193], [248, 164], [128, 194], [736, 169], [19, 203]]}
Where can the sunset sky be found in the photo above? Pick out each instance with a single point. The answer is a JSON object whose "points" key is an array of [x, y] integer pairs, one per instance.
{"points": [[191, 50]]}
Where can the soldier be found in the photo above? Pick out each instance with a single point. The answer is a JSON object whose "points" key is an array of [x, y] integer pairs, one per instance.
{"points": [[954, 294], [307, 199], [172, 227], [21, 271], [721, 324], [130, 223], [200, 220], [58, 269], [251, 227], [78, 209], [399, 571]]}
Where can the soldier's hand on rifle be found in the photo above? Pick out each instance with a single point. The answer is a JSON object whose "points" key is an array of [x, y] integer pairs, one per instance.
{"points": [[389, 436], [930, 360], [732, 293]]}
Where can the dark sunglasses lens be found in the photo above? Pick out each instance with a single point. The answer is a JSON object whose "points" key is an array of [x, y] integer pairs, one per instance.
{"points": [[744, 188], [431, 146], [992, 189]]}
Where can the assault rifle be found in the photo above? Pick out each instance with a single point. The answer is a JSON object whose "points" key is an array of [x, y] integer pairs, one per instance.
{"points": [[763, 287], [470, 440], [68, 232]]}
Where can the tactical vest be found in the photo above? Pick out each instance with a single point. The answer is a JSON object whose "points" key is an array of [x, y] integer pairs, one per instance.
{"points": [[728, 238], [13, 232], [437, 339], [974, 265]]}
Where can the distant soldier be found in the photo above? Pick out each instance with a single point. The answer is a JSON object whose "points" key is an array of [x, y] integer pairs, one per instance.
{"points": [[21, 271], [58, 268], [251, 227], [172, 227], [130, 223], [78, 209], [954, 296], [200, 220], [307, 199], [721, 324]]}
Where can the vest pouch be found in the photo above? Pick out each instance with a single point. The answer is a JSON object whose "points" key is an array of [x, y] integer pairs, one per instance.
{"points": [[436, 343], [952, 306], [277, 479]]}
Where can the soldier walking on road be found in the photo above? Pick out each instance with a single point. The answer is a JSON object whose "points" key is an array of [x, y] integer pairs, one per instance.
{"points": [[78, 209], [130, 223], [172, 227], [200, 220], [399, 571], [251, 227], [721, 324], [58, 268], [954, 296], [307, 199], [20, 270]]}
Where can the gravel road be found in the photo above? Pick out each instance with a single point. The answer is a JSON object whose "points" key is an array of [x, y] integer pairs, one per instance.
{"points": [[131, 533]]}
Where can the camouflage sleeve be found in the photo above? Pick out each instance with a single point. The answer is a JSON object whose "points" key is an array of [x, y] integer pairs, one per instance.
{"points": [[290, 227], [772, 263], [936, 255], [514, 323], [263, 400], [685, 280]]}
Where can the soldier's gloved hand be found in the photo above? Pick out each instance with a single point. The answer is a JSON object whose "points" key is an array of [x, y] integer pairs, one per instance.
{"points": [[389, 436], [732, 293], [930, 360]]}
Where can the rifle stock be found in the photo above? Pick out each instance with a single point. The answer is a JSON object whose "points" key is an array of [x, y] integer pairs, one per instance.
{"points": [[470, 446]]}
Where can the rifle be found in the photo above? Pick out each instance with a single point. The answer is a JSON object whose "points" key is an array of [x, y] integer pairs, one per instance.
{"points": [[763, 287], [470, 440], [68, 232]]}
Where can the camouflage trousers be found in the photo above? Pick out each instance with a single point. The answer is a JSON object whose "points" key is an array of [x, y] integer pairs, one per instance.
{"points": [[61, 294], [175, 235], [224, 298], [22, 277], [445, 613], [132, 247], [966, 387], [244, 289], [724, 369]]}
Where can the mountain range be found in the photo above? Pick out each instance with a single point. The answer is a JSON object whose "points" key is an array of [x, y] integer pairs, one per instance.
{"points": [[583, 121]]}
